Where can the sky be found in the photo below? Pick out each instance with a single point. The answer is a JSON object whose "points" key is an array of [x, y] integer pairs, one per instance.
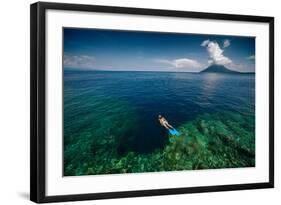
{"points": [[98, 49]]}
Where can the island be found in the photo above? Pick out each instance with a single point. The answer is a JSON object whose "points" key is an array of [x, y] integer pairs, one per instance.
{"points": [[216, 68]]}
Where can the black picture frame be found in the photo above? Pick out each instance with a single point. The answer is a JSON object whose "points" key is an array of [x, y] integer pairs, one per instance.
{"points": [[38, 101]]}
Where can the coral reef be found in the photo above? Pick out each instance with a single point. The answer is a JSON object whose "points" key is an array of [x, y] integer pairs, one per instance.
{"points": [[210, 141]]}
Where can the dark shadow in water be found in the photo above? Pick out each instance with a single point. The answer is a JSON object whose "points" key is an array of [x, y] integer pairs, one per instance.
{"points": [[150, 135], [125, 144]]}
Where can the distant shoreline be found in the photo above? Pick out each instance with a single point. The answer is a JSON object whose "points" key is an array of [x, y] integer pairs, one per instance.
{"points": [[151, 71]]}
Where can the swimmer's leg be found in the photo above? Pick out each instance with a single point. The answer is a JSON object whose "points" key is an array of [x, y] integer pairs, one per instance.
{"points": [[170, 126], [166, 126]]}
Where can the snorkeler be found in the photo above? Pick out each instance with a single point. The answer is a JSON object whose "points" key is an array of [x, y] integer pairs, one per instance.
{"points": [[164, 122], [169, 127]]}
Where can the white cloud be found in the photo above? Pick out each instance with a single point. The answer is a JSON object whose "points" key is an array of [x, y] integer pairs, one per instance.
{"points": [[226, 43], [215, 53], [183, 63], [79, 61], [186, 63], [252, 57], [205, 43]]}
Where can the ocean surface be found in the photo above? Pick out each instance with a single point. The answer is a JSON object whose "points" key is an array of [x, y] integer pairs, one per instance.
{"points": [[111, 121]]}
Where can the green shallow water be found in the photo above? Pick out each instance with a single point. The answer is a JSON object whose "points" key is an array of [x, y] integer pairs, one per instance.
{"points": [[210, 141]]}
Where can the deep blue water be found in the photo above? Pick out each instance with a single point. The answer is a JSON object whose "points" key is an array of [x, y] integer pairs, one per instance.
{"points": [[128, 103]]}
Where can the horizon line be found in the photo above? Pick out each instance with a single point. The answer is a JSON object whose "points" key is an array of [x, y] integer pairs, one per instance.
{"points": [[89, 69]]}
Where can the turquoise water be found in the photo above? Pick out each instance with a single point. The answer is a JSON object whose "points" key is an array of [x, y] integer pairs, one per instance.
{"points": [[111, 125]]}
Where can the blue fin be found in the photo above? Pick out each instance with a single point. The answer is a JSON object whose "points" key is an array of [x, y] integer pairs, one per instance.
{"points": [[176, 132], [171, 132]]}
